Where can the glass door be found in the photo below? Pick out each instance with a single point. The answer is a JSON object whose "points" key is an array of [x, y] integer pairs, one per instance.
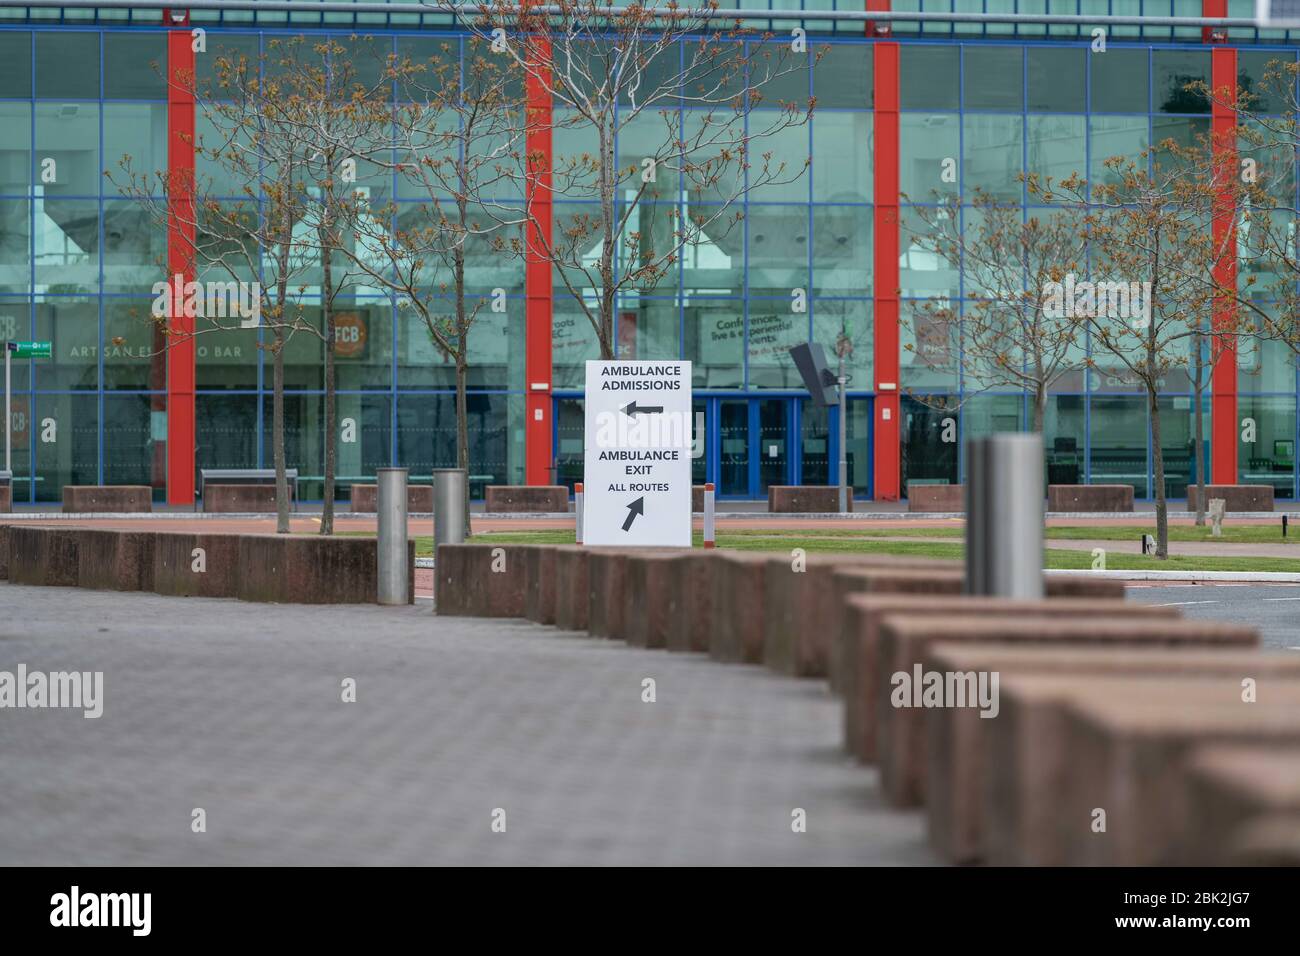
{"points": [[733, 439]]}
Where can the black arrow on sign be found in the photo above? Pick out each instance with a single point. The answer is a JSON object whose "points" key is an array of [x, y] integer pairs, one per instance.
{"points": [[631, 409], [635, 508]]}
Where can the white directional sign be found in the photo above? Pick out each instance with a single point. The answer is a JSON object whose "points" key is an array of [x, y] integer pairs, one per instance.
{"points": [[637, 472]]}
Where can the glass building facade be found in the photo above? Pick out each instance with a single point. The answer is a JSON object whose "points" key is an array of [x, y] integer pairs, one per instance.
{"points": [[81, 89]]}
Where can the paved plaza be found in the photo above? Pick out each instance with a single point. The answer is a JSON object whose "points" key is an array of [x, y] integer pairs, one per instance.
{"points": [[237, 709]]}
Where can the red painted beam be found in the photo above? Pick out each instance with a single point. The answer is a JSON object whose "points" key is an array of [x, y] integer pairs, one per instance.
{"points": [[1223, 383], [180, 242], [538, 458], [886, 451]]}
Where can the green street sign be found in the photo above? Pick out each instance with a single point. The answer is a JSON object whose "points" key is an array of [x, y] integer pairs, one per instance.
{"points": [[25, 350]]}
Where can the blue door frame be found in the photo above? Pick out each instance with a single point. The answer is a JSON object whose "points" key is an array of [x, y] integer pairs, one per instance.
{"points": [[794, 441]]}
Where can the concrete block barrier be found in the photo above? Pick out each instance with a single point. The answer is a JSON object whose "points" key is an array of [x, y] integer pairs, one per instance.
{"points": [[115, 560], [196, 565], [6, 499], [1266, 841], [805, 499], [1235, 795], [650, 579], [935, 498], [1235, 497], [1089, 498], [547, 499], [737, 606], [606, 571], [480, 580], [365, 499], [43, 556], [4, 552], [847, 581], [956, 740], [905, 639], [868, 664], [118, 499], [539, 584], [801, 615], [241, 499], [299, 569], [572, 591], [690, 602], [1128, 756]]}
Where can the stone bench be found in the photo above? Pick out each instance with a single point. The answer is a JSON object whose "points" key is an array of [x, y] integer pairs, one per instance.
{"points": [[365, 499], [1090, 498], [856, 659], [539, 584], [905, 638], [480, 580], [1128, 754], [935, 498], [107, 499], [606, 572], [176, 566], [801, 615], [690, 609], [116, 560], [651, 582], [241, 499], [1236, 497], [1233, 792], [312, 569], [959, 770], [846, 581], [6, 499], [546, 499], [572, 590], [43, 556], [298, 569], [736, 630], [805, 499]]}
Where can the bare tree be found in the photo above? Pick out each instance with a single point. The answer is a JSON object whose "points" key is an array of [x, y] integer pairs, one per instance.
{"points": [[1150, 301], [458, 143], [692, 89], [238, 226], [1010, 335]]}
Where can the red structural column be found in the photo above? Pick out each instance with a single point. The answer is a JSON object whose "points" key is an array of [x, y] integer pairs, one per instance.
{"points": [[537, 272], [886, 451], [1223, 382], [180, 240]]}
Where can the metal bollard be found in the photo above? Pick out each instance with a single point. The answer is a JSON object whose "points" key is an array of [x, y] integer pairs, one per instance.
{"points": [[1004, 516], [708, 515], [393, 571], [577, 508], [449, 518]]}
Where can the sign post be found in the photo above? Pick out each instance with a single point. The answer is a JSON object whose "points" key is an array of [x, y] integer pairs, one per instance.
{"points": [[637, 467], [22, 350]]}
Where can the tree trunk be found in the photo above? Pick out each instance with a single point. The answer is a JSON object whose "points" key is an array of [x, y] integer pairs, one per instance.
{"points": [[609, 244], [1198, 443], [1040, 407], [462, 425], [1162, 506], [277, 435], [331, 429]]}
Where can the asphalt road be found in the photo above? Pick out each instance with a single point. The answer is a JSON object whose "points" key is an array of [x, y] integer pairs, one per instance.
{"points": [[1274, 609]]}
